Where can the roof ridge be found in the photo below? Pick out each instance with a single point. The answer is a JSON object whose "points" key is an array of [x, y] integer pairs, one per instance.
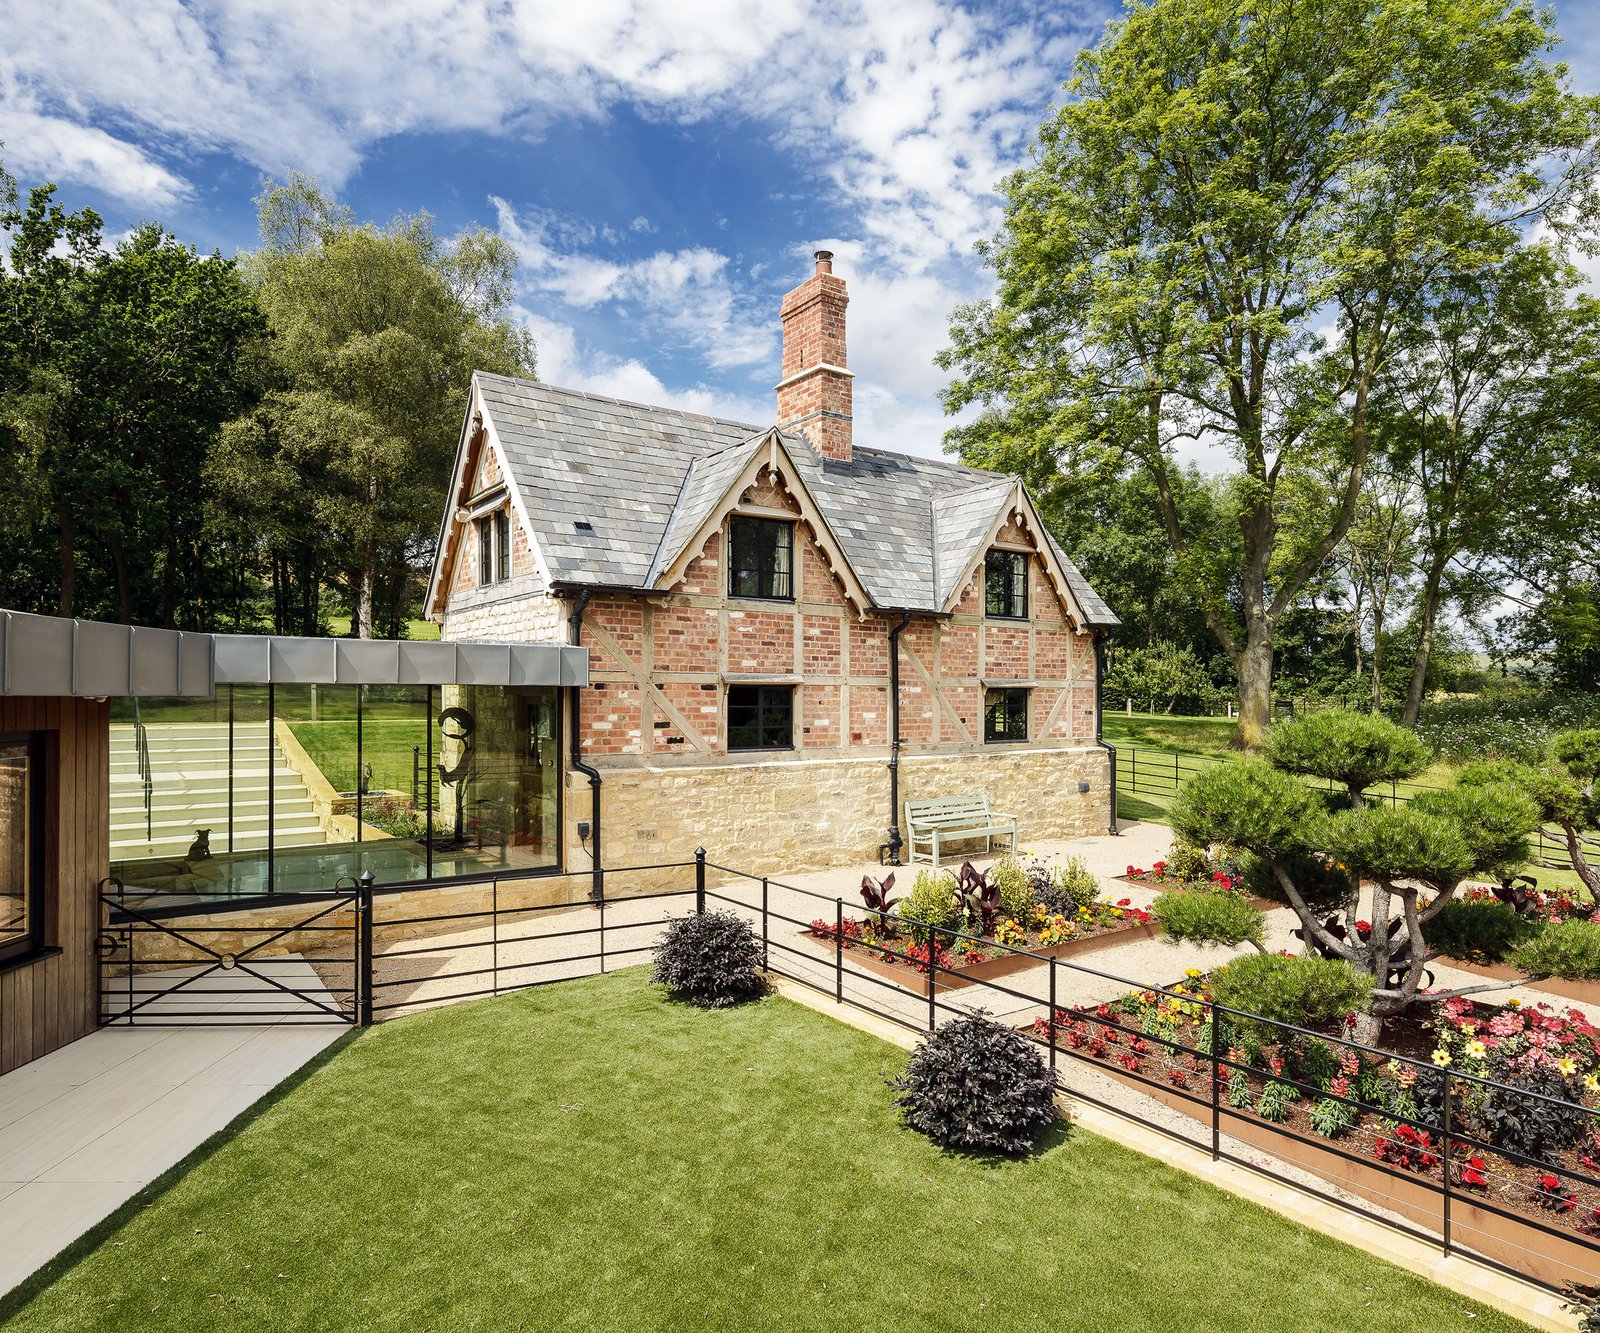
{"points": [[621, 402]]}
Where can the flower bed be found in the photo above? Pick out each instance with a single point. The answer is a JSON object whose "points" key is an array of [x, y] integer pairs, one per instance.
{"points": [[967, 958], [1192, 870], [1372, 1124]]}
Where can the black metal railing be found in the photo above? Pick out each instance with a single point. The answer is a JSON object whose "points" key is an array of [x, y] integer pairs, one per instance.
{"points": [[508, 931], [825, 970]]}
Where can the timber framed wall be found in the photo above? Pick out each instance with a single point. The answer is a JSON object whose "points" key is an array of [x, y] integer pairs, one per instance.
{"points": [[49, 1000]]}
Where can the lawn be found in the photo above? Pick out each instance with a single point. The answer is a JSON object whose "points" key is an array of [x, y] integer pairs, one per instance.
{"points": [[587, 1155]]}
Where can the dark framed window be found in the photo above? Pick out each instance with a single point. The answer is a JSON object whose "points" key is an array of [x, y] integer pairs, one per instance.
{"points": [[761, 558], [502, 545], [485, 551], [1006, 585], [21, 846], [1005, 714], [760, 717]]}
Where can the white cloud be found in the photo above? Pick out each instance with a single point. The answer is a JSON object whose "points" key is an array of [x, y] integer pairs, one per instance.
{"points": [[901, 114], [47, 147]]}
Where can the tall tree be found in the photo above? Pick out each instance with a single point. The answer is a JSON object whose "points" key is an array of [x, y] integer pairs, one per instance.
{"points": [[376, 331], [1227, 222], [119, 369], [1491, 381]]}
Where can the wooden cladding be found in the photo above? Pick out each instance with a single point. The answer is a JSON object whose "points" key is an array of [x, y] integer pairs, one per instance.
{"points": [[49, 1000]]}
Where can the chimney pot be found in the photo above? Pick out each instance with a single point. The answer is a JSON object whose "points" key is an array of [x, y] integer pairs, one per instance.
{"points": [[824, 260]]}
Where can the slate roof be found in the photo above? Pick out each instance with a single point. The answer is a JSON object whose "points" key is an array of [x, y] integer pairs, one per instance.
{"points": [[645, 478]]}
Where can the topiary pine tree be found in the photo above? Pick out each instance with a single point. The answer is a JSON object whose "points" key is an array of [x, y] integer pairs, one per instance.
{"points": [[1566, 791], [1413, 857]]}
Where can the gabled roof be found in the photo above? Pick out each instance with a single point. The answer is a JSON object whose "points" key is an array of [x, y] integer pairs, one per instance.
{"points": [[645, 479]]}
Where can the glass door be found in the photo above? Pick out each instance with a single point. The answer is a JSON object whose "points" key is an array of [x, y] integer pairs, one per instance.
{"points": [[21, 848]]}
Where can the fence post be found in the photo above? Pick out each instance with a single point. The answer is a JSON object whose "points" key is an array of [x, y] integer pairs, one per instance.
{"points": [[838, 950], [364, 884], [933, 949], [602, 906], [1050, 1016], [1216, 1084], [699, 881], [764, 966], [1444, 1152], [494, 934]]}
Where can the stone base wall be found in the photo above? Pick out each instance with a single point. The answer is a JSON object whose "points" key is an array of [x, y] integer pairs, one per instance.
{"points": [[780, 817]]}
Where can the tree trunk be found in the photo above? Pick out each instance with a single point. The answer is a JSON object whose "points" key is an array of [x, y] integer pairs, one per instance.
{"points": [[1377, 643], [68, 528], [362, 609], [1255, 691], [1419, 664], [119, 567]]}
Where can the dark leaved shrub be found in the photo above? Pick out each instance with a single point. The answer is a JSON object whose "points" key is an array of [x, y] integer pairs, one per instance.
{"points": [[712, 959], [974, 1084], [1533, 1126]]}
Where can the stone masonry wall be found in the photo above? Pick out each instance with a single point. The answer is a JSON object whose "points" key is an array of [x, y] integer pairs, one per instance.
{"points": [[784, 816]]}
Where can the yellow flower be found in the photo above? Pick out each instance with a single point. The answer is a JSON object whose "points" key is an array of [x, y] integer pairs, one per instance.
{"points": [[1514, 1004], [1567, 1065], [1193, 973], [1441, 1057], [1477, 1050], [1592, 1082]]}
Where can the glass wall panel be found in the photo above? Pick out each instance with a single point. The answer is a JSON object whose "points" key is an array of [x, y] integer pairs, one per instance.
{"points": [[394, 802], [498, 757], [290, 789], [191, 792]]}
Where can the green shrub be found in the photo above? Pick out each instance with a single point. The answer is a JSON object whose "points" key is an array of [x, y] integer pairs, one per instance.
{"points": [[1187, 862], [931, 902], [1240, 1094], [1569, 949], [1017, 898], [1321, 883], [1477, 929], [1303, 991], [1195, 916], [711, 958], [1078, 882], [1274, 1103], [1331, 1118], [974, 1084]]}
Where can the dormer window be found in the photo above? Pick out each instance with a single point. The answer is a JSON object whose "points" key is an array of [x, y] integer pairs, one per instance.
{"points": [[494, 547], [1006, 585], [761, 558]]}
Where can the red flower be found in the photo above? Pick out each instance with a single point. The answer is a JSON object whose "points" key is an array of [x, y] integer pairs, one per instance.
{"points": [[1364, 927]]}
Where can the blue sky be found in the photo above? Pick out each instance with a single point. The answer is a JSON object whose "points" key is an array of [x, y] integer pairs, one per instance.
{"points": [[664, 169]]}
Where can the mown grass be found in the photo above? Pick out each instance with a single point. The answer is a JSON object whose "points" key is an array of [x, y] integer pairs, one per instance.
{"points": [[590, 1156]]}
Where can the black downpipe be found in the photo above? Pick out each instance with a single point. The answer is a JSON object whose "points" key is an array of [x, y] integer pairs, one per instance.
{"points": [[597, 891], [891, 849], [1099, 678]]}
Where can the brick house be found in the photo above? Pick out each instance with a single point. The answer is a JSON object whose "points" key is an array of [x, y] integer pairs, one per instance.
{"points": [[789, 635]]}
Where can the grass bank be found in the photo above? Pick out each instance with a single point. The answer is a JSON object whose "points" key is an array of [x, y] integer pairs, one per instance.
{"points": [[589, 1156]]}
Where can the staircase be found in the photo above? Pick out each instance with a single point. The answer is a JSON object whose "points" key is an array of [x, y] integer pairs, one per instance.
{"points": [[189, 791]]}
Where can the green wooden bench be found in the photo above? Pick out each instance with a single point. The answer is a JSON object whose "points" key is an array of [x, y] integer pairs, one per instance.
{"points": [[929, 824]]}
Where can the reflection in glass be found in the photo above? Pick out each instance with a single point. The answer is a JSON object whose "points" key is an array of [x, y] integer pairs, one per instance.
{"points": [[499, 770], [17, 848], [289, 789]]}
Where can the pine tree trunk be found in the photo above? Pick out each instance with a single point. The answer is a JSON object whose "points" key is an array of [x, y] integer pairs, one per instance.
{"points": [[1255, 692]]}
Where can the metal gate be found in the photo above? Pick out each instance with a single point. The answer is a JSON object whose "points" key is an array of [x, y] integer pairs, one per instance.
{"points": [[292, 961]]}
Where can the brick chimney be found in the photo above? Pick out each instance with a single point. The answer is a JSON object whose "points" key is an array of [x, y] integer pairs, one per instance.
{"points": [[814, 391]]}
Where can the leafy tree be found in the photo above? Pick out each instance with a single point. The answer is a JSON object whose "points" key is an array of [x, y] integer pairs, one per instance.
{"points": [[1488, 377], [1228, 223], [1161, 674], [342, 466], [118, 371], [1415, 856]]}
